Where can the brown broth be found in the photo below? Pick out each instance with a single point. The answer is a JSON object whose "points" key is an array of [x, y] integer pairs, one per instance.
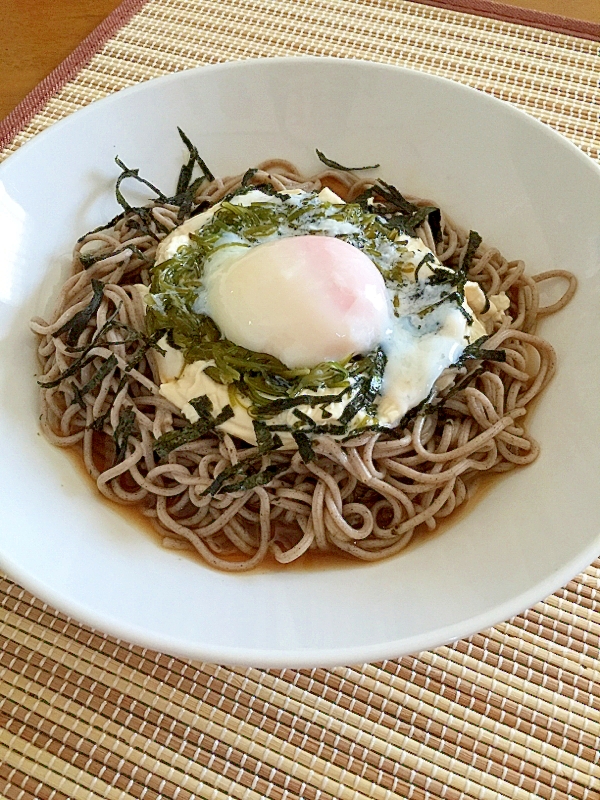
{"points": [[310, 561]]}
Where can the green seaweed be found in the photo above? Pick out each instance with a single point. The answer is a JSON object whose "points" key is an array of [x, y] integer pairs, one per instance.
{"points": [[305, 448], [247, 176], [186, 187], [126, 173], [105, 369], [88, 261], [385, 199], [79, 322], [476, 351], [252, 481], [265, 439], [369, 387], [170, 441], [122, 432], [335, 165], [472, 245]]}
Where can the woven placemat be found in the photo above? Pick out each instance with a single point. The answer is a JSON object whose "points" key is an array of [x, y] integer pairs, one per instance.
{"points": [[513, 712]]}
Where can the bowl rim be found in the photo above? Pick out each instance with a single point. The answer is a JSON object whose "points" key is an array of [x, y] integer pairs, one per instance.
{"points": [[301, 658]]}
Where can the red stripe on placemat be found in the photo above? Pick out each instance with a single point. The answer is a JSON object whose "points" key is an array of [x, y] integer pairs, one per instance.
{"points": [[520, 16], [66, 70]]}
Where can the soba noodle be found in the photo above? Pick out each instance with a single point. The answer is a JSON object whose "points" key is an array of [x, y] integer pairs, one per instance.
{"points": [[366, 497]]}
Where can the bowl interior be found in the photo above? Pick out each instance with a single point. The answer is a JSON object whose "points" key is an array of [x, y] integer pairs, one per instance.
{"points": [[523, 187]]}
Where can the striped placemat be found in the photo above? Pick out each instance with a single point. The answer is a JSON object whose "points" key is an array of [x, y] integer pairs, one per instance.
{"points": [[513, 712]]}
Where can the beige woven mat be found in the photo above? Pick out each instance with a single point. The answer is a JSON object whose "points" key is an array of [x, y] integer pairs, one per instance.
{"points": [[513, 712]]}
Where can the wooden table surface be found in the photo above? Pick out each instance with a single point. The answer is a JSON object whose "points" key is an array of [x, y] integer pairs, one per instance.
{"points": [[36, 35]]}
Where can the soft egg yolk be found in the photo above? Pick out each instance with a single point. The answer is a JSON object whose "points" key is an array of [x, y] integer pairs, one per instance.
{"points": [[302, 299]]}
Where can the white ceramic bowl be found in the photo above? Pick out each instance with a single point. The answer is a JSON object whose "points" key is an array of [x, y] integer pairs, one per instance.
{"points": [[526, 189]]}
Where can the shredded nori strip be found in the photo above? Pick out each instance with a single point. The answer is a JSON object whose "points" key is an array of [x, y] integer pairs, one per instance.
{"points": [[201, 207], [82, 361], [97, 378], [78, 323], [358, 402], [68, 372], [144, 224], [98, 423], [185, 173], [428, 258], [277, 406], [394, 197], [133, 173], [257, 479], [195, 156], [333, 429], [304, 446], [267, 442], [421, 214], [426, 406], [458, 297], [250, 480], [395, 433], [472, 245], [228, 472], [435, 224], [302, 417], [265, 188], [443, 274], [143, 212], [121, 434], [110, 224], [174, 439], [186, 187], [369, 387], [455, 278], [88, 261], [334, 164], [461, 384], [475, 350], [248, 175], [203, 407], [184, 197], [399, 212], [148, 343], [265, 439]]}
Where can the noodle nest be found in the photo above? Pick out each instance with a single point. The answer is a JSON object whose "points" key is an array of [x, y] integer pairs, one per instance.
{"points": [[366, 497]]}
